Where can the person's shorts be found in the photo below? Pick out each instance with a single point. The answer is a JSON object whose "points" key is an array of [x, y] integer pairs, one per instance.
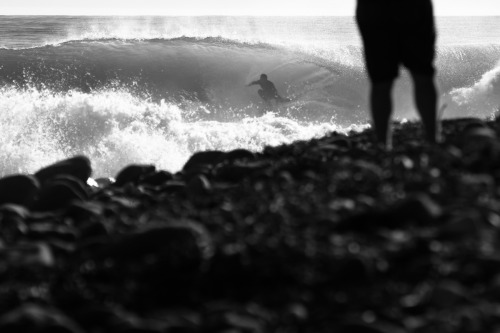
{"points": [[394, 33]]}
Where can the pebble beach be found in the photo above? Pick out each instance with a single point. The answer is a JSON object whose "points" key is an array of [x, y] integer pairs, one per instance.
{"points": [[326, 235]]}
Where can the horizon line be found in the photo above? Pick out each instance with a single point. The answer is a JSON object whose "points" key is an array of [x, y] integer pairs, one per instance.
{"points": [[217, 15]]}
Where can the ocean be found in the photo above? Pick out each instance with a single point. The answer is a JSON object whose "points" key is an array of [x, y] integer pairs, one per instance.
{"points": [[154, 90]]}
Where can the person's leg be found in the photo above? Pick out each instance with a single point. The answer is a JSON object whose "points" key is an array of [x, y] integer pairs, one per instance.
{"points": [[426, 102], [381, 108]]}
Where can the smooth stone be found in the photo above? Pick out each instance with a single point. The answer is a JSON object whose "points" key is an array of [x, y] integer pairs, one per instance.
{"points": [[239, 154], [37, 319], [158, 178], [239, 171], [104, 181], [59, 193], [99, 318], [78, 167], [159, 237], [480, 133], [18, 189], [50, 231], [28, 255], [199, 186], [210, 157], [419, 209], [133, 173], [13, 222], [93, 230], [83, 211], [167, 257], [174, 186], [14, 210]]}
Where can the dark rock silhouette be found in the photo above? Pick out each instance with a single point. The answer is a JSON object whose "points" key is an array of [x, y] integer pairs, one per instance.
{"points": [[78, 167], [19, 189]]}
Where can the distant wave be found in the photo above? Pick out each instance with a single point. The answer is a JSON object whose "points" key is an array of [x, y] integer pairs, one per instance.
{"points": [[159, 100], [211, 71], [115, 128], [214, 71]]}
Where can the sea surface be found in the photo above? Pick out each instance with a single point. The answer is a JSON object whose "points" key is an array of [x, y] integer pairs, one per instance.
{"points": [[155, 90]]}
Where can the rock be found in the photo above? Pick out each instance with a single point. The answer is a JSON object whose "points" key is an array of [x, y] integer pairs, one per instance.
{"points": [[210, 157], [100, 318], [157, 179], [199, 186], [104, 181], [239, 154], [418, 209], [238, 171], [30, 255], [37, 319], [84, 211], [13, 222], [157, 265], [78, 167], [14, 210], [18, 189], [158, 239], [174, 186], [231, 321], [482, 132], [93, 229], [133, 173], [59, 193], [49, 231]]}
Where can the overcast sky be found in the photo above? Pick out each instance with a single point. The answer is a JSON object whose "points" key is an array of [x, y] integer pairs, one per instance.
{"points": [[223, 7]]}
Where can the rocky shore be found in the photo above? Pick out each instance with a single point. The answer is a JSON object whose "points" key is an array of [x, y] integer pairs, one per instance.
{"points": [[327, 235]]}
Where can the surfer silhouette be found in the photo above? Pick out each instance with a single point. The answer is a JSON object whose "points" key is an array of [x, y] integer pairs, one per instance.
{"points": [[268, 91], [396, 33]]}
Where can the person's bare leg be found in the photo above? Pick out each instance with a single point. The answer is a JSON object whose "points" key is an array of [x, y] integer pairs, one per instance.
{"points": [[381, 108], [426, 101]]}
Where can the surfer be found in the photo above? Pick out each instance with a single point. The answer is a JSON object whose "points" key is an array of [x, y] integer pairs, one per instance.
{"points": [[268, 91], [395, 33]]}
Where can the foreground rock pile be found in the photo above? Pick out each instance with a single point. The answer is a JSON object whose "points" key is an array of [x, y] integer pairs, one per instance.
{"points": [[327, 235]]}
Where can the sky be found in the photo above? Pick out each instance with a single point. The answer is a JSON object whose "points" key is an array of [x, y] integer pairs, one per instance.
{"points": [[224, 7]]}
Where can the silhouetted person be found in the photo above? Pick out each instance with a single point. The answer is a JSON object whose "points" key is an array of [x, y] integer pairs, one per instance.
{"points": [[267, 91], [394, 33]]}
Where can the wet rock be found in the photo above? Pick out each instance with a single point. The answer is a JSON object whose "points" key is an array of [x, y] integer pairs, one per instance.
{"points": [[481, 132], [209, 157], [36, 318], [133, 173], [83, 211], [59, 193], [104, 181], [239, 154], [168, 258], [18, 189], [49, 231], [78, 167], [199, 186], [13, 222], [157, 179], [185, 237], [419, 209], [102, 318], [232, 321], [174, 186], [29, 255], [238, 171]]}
